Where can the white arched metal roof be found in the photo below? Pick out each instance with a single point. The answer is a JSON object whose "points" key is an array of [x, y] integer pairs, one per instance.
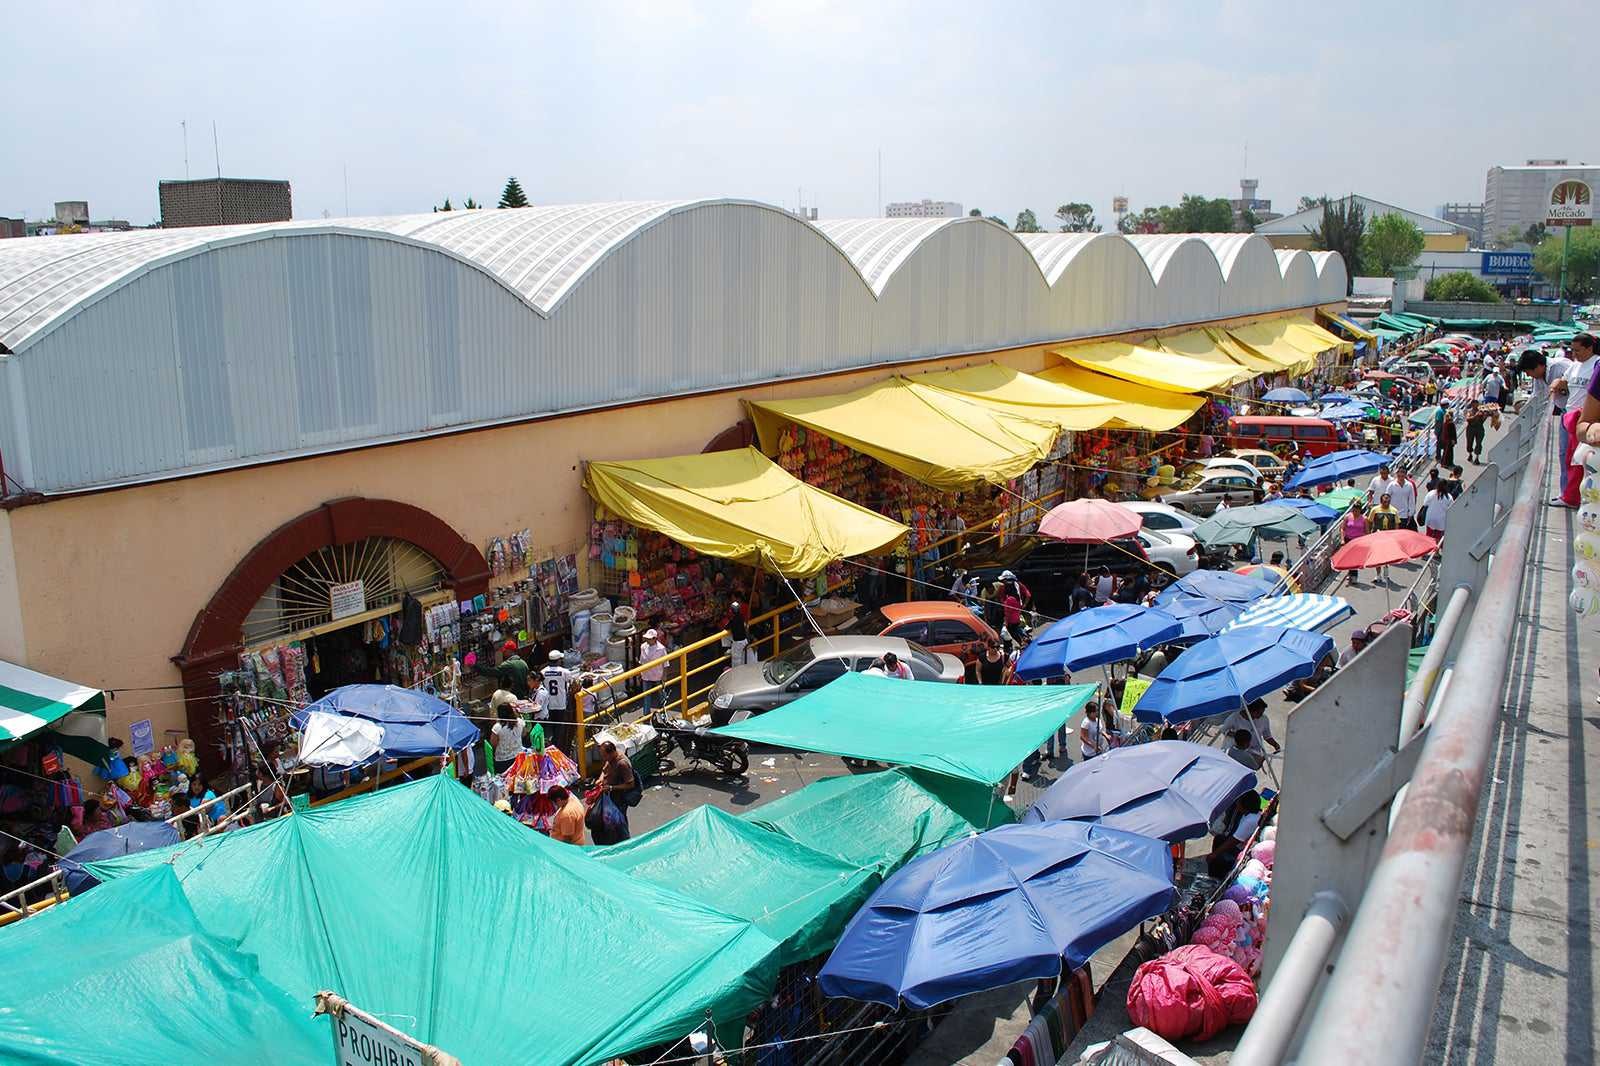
{"points": [[878, 246], [1159, 249], [1054, 252]]}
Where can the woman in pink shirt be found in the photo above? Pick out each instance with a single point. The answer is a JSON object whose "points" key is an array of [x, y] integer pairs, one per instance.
{"points": [[1355, 522]]}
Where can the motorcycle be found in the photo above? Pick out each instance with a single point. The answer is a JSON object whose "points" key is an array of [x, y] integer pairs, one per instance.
{"points": [[731, 757]]}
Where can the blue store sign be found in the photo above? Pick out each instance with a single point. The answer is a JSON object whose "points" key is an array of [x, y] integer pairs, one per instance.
{"points": [[1507, 264]]}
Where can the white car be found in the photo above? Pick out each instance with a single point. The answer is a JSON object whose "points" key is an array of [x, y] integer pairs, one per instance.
{"points": [[1174, 552], [1162, 517], [1231, 464]]}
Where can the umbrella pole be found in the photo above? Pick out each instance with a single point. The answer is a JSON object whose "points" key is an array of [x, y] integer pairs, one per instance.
{"points": [[1265, 761]]}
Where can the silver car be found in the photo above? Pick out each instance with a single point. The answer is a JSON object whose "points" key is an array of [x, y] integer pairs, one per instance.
{"points": [[811, 664], [1202, 497]]}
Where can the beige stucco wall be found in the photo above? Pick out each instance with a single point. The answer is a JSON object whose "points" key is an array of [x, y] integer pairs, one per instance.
{"points": [[13, 647]]}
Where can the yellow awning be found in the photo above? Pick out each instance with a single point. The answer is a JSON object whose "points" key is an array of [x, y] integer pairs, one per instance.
{"points": [[740, 505], [1153, 367], [1349, 326], [1214, 346], [1138, 406], [1024, 394], [1268, 339], [936, 437], [1311, 333]]}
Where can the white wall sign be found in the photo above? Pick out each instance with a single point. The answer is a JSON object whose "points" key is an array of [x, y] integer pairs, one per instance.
{"points": [[347, 599], [1571, 204], [359, 1039]]}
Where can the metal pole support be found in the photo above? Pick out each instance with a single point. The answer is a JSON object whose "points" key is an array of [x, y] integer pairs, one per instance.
{"points": [[1301, 967]]}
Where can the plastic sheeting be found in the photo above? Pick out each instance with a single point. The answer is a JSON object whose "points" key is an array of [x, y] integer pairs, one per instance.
{"points": [[337, 740], [882, 820], [797, 895], [1025, 394], [1152, 367], [1000, 907], [414, 723], [128, 839], [938, 438], [978, 733], [1215, 346], [127, 974], [740, 505], [390, 898], [1137, 406]]}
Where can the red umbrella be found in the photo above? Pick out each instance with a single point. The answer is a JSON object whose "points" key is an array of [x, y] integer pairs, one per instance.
{"points": [[1384, 548], [1089, 521]]}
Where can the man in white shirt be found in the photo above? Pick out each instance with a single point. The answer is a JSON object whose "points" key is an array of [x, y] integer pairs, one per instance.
{"points": [[1404, 498], [1380, 485], [652, 656], [1253, 720], [554, 681]]}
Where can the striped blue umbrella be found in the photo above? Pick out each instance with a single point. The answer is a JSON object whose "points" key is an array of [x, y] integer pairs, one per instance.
{"points": [[1306, 610]]}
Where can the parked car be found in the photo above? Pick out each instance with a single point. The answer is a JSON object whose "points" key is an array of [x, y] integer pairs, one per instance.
{"points": [[1050, 568], [1314, 436], [1269, 463], [1234, 463], [1202, 497], [944, 627], [1162, 517], [1174, 552], [806, 667]]}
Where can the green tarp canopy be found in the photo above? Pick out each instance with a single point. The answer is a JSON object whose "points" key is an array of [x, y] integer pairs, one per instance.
{"points": [[127, 974], [1414, 663], [883, 819], [976, 732], [32, 704], [425, 905]]}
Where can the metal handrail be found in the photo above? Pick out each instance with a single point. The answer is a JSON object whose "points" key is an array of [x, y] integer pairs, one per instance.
{"points": [[1379, 1001]]}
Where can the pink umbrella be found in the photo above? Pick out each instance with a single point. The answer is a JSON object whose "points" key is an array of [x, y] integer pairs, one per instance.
{"points": [[1384, 548], [1089, 521]]}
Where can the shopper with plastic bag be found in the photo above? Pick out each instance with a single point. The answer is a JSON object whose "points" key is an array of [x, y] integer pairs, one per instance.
{"points": [[616, 790]]}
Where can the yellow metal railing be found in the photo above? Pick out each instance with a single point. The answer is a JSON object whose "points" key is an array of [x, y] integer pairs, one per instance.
{"points": [[676, 690]]}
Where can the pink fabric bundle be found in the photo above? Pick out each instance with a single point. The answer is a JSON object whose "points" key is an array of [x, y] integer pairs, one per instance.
{"points": [[1191, 992]]}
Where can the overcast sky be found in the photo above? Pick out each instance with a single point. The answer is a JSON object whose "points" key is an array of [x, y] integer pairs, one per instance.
{"points": [[999, 106]]}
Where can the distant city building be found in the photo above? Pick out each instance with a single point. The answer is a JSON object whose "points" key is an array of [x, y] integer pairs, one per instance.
{"points": [[1295, 231], [1515, 197], [1468, 215], [224, 201], [809, 214], [1248, 201], [924, 209], [13, 227], [71, 216], [72, 212]]}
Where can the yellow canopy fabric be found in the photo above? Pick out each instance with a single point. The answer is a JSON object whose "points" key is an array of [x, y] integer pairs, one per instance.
{"points": [[940, 439], [1214, 346], [1311, 333], [1153, 367], [740, 505], [1349, 326], [1138, 406], [1268, 339], [1024, 394]]}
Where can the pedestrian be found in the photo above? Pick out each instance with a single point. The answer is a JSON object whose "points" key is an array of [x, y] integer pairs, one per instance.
{"points": [[991, 663], [1452, 485], [738, 627], [1435, 504], [1445, 438], [1082, 595], [1355, 521], [1404, 497], [1358, 642], [1106, 585], [1477, 416], [1531, 362], [1382, 483], [1011, 613], [1253, 720], [555, 683], [1493, 386], [1577, 423], [618, 782], [512, 674], [653, 657], [1093, 736], [1241, 752], [507, 736], [566, 825], [893, 667], [1230, 834]]}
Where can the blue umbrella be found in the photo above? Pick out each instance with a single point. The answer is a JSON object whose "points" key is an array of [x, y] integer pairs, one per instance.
{"points": [[1228, 671], [1344, 412], [1000, 907], [1202, 616], [1336, 466], [1335, 397], [1100, 635], [1170, 789], [1319, 513], [1304, 610], [1286, 394], [414, 723], [111, 843], [1217, 585]]}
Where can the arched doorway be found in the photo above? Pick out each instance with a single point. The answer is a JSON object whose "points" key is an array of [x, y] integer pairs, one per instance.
{"points": [[217, 635]]}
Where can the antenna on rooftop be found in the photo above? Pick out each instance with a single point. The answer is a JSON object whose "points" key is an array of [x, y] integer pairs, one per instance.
{"points": [[185, 124]]}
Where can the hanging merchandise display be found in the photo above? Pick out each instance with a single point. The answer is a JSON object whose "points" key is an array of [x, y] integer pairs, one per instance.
{"points": [[667, 585], [526, 784]]}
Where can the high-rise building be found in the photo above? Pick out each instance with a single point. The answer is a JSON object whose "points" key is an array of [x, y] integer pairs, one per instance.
{"points": [[923, 209], [1515, 197], [224, 201], [1468, 215]]}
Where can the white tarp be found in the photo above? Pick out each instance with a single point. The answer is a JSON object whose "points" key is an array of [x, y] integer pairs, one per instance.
{"points": [[334, 740]]}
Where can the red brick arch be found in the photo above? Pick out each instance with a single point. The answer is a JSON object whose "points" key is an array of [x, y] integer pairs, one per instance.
{"points": [[217, 635]]}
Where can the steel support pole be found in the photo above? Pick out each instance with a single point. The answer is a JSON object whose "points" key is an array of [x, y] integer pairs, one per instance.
{"points": [[1277, 1017], [1378, 1005], [1416, 701]]}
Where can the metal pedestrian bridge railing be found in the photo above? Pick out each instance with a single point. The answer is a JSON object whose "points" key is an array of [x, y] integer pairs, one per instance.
{"points": [[1384, 782]]}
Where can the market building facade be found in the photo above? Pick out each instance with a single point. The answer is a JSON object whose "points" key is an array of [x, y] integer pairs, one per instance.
{"points": [[296, 444]]}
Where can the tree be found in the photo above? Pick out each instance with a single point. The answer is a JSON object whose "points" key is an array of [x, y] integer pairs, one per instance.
{"points": [[1027, 222], [512, 195], [1583, 261], [1460, 286], [1392, 241], [1533, 234], [1509, 237], [1197, 214], [444, 206], [976, 212], [1308, 202], [1146, 221], [470, 204], [1077, 218], [1248, 221], [998, 221], [1344, 223]]}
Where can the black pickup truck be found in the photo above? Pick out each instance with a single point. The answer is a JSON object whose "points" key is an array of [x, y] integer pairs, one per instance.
{"points": [[1050, 568]]}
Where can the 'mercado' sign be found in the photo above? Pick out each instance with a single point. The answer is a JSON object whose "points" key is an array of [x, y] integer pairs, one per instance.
{"points": [[1571, 204]]}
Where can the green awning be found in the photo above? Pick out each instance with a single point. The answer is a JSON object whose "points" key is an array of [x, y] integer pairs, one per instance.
{"points": [[32, 703], [976, 732], [884, 819], [798, 896]]}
